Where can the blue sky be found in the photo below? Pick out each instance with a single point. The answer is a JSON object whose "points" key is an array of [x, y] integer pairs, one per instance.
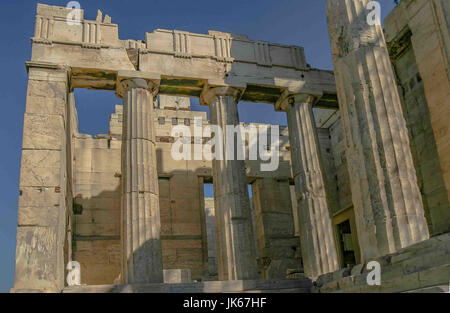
{"points": [[292, 22]]}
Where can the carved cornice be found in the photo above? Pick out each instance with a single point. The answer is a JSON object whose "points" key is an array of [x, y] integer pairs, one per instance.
{"points": [[47, 65], [41, 41]]}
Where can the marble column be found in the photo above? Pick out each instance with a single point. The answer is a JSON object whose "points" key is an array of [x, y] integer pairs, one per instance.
{"points": [[142, 258], [316, 228], [386, 198], [236, 250]]}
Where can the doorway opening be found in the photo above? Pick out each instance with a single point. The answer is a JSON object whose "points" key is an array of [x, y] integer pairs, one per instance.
{"points": [[346, 238], [210, 231], [348, 256]]}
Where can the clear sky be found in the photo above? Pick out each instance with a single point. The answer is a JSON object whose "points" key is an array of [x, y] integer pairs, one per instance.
{"points": [[292, 22]]}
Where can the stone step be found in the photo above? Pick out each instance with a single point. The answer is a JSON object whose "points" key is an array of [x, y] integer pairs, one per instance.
{"points": [[234, 286]]}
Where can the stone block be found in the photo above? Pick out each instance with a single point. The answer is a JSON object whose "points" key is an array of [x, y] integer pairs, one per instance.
{"points": [[38, 216], [109, 179], [55, 11], [106, 203], [47, 89], [425, 261], [99, 216], [45, 105], [43, 132], [339, 274], [47, 75], [104, 160], [402, 283], [93, 256], [97, 229], [346, 282], [357, 269], [393, 271], [191, 229], [176, 276], [39, 259], [324, 279], [41, 168], [101, 274], [276, 224], [39, 197], [435, 276], [100, 260]]}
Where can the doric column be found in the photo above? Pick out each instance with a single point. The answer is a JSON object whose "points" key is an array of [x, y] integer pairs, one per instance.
{"points": [[236, 249], [386, 198], [316, 228], [142, 258]]}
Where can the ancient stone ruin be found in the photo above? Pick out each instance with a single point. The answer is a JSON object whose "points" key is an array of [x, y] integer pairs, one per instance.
{"points": [[363, 173]]}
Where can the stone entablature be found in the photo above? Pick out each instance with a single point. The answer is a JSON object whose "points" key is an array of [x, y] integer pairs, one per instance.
{"points": [[183, 62]]}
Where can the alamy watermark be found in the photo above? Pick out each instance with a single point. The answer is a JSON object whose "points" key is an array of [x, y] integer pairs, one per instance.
{"points": [[374, 16], [74, 16], [235, 142], [374, 276], [73, 273]]}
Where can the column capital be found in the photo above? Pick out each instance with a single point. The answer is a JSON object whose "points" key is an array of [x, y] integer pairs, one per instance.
{"points": [[288, 100], [208, 95], [127, 80]]}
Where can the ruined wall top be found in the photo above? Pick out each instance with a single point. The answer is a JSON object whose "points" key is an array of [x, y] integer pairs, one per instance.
{"points": [[185, 63]]}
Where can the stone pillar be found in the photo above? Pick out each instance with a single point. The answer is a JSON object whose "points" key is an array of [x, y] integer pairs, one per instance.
{"points": [[142, 258], [236, 251], [316, 228], [387, 201], [45, 188]]}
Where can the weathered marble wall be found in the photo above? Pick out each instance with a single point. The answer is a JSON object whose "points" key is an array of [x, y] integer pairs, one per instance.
{"points": [[181, 202], [97, 192], [417, 33], [329, 165], [340, 165], [278, 245], [45, 196]]}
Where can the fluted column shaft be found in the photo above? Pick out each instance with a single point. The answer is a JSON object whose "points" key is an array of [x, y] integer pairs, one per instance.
{"points": [[316, 228], [141, 224], [235, 242], [386, 198]]}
